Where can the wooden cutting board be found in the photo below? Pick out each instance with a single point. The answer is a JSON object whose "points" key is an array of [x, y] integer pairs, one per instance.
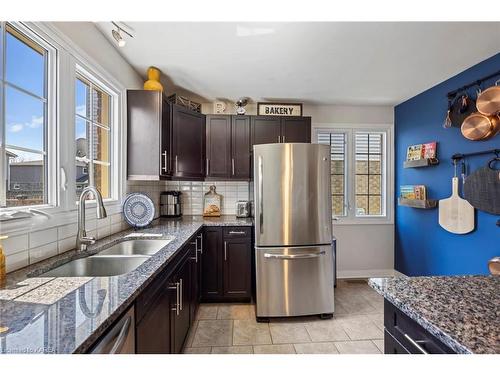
{"points": [[456, 215]]}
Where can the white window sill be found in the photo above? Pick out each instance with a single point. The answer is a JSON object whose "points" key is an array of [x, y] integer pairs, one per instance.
{"points": [[366, 221]]}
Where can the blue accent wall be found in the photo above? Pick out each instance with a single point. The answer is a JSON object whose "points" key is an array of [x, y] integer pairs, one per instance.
{"points": [[422, 247]]}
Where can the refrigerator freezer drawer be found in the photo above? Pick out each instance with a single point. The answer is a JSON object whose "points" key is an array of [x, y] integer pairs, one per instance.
{"points": [[294, 281]]}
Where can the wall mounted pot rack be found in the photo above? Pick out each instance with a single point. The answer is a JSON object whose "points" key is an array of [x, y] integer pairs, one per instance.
{"points": [[457, 157], [495, 151], [478, 82]]}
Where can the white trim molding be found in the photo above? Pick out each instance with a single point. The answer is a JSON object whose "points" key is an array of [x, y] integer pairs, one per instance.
{"points": [[364, 274], [69, 59], [349, 129]]}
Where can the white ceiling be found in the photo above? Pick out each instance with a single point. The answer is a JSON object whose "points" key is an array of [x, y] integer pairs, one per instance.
{"points": [[326, 63]]}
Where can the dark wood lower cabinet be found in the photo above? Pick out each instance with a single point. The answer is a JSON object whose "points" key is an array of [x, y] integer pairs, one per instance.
{"points": [[227, 264], [195, 269], [214, 265], [403, 335], [180, 310], [237, 265], [153, 318], [393, 346], [211, 269]]}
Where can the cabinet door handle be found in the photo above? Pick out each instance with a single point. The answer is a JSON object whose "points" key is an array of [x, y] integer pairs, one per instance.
{"points": [[225, 250], [164, 167], [207, 165], [195, 243], [261, 192], [232, 166], [236, 232], [279, 139], [176, 308], [180, 298], [201, 243], [415, 344], [283, 139], [176, 164]]}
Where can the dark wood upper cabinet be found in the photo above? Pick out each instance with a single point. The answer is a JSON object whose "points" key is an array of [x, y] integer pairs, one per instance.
{"points": [[296, 130], [228, 147], [265, 129], [145, 135], [168, 141], [188, 143], [218, 163], [240, 147], [164, 140]]}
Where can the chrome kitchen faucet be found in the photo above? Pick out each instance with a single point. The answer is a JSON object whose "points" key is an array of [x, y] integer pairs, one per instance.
{"points": [[81, 237]]}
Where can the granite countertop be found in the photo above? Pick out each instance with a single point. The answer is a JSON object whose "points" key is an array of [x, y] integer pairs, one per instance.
{"points": [[463, 312], [67, 314]]}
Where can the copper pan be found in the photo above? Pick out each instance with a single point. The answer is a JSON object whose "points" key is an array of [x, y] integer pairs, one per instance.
{"points": [[488, 101], [479, 127]]}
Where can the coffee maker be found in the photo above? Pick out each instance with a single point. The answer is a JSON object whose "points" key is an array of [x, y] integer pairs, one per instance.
{"points": [[170, 204]]}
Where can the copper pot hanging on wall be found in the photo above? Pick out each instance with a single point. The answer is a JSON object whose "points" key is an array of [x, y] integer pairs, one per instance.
{"points": [[479, 127], [488, 101]]}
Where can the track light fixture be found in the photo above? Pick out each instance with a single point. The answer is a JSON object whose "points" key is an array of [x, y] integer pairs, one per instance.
{"points": [[118, 36]]}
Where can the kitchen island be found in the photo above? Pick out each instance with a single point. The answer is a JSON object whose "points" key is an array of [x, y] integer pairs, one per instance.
{"points": [[68, 314], [449, 314]]}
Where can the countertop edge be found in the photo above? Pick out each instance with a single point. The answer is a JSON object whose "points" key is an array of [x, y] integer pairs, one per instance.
{"points": [[109, 321], [443, 337], [191, 228]]}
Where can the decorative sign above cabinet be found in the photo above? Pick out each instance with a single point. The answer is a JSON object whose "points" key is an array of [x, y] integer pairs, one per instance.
{"points": [[279, 109]]}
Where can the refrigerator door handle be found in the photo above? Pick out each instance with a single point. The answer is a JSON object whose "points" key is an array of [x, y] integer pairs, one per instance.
{"points": [[294, 256], [261, 191]]}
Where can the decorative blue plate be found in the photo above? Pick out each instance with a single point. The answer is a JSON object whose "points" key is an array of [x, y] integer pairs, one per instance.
{"points": [[138, 210]]}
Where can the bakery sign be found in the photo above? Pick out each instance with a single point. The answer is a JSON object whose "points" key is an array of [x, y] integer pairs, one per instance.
{"points": [[279, 109]]}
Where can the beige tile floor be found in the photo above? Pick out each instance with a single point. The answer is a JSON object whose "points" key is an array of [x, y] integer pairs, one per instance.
{"points": [[356, 328]]}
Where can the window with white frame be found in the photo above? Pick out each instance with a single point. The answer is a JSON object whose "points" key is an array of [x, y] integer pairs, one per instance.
{"points": [[359, 178], [93, 126], [36, 64], [26, 64]]}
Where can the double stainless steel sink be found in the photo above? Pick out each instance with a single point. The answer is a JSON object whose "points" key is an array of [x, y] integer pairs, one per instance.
{"points": [[118, 259]]}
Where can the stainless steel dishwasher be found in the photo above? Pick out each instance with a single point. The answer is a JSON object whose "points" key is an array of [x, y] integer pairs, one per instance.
{"points": [[120, 339]]}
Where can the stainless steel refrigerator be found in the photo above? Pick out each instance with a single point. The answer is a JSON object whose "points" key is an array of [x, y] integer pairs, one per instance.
{"points": [[294, 257]]}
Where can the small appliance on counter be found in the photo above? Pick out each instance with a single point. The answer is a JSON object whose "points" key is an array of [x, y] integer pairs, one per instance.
{"points": [[170, 204], [243, 209]]}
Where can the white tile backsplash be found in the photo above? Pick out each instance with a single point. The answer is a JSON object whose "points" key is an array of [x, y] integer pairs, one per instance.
{"points": [[30, 247], [193, 193], [15, 261], [43, 237], [42, 252], [66, 244], [67, 231], [15, 244]]}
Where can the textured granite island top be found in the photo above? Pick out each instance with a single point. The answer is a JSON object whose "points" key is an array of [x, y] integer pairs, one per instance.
{"points": [[67, 314], [461, 311]]}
